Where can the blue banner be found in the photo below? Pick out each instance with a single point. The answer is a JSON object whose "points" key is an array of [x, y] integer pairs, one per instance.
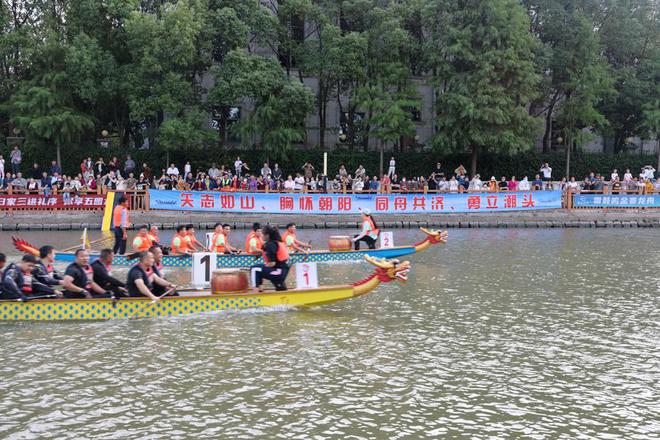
{"points": [[616, 201], [302, 203]]}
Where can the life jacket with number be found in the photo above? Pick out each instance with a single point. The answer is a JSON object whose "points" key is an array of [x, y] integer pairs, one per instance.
{"points": [[218, 248], [282, 255], [286, 235], [260, 242]]}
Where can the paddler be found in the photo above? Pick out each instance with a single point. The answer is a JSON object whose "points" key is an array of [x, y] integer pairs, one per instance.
{"points": [[369, 232], [79, 279], [220, 240], [101, 268], [141, 278], [44, 272], [153, 235], [18, 282], [3, 261], [254, 242], [191, 239], [276, 257], [179, 243], [142, 241], [157, 269], [121, 224], [291, 241]]}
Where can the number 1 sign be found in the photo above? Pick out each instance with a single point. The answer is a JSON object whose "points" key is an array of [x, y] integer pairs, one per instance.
{"points": [[306, 276], [203, 264]]}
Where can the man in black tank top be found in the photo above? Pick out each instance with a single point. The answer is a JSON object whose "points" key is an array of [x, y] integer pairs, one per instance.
{"points": [[139, 282], [79, 279]]}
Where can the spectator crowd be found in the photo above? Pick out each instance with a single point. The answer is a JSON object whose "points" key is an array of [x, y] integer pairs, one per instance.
{"points": [[101, 176]]}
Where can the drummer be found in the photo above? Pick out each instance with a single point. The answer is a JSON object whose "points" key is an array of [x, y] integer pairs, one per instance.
{"points": [[141, 278], [291, 241], [254, 242], [276, 257], [191, 240], [369, 232], [179, 243], [142, 241]]}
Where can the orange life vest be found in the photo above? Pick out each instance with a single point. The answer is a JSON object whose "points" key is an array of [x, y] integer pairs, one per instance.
{"points": [[286, 235], [282, 253], [27, 282], [260, 242], [153, 237], [145, 244], [117, 213], [219, 248], [183, 247]]}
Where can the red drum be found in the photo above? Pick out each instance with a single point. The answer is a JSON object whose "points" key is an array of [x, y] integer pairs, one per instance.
{"points": [[229, 280], [339, 243]]}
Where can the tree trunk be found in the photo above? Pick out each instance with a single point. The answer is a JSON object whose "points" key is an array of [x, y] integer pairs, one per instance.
{"points": [[568, 158], [59, 156], [381, 158], [658, 142], [323, 105], [473, 164], [547, 136]]}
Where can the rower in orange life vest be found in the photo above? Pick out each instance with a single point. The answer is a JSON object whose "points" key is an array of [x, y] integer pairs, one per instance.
{"points": [[220, 240], [192, 242], [79, 279], [179, 243], [369, 233], [44, 272], [18, 282], [121, 224], [153, 235], [291, 241], [276, 257], [254, 242], [142, 241]]}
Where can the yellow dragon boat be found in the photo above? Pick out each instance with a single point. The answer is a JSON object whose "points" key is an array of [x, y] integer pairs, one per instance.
{"points": [[204, 302]]}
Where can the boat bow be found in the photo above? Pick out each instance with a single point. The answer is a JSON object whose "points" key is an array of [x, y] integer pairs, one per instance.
{"points": [[432, 237], [386, 271]]}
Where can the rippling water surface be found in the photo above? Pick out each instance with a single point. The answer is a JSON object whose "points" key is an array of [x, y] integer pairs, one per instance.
{"points": [[499, 334]]}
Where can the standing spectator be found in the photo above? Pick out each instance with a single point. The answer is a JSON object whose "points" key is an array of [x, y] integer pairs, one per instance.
{"points": [[524, 185], [265, 170], [547, 173], [36, 171], [214, 172], [614, 176], [392, 169], [460, 171], [2, 167], [309, 170], [121, 224], [147, 174], [299, 182], [16, 157], [648, 173], [238, 166], [129, 166], [627, 180], [55, 168], [277, 172], [46, 184], [187, 169], [114, 165], [131, 182], [438, 170], [173, 171], [374, 184], [342, 172], [513, 184], [19, 183], [360, 172], [100, 167]]}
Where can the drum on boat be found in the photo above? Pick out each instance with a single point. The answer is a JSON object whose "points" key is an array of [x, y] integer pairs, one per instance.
{"points": [[229, 280], [339, 243]]}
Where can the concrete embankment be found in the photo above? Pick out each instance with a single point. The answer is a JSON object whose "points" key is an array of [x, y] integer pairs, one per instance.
{"points": [[74, 220]]}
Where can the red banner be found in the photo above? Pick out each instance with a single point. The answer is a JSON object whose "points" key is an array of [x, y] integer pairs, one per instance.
{"points": [[60, 201]]}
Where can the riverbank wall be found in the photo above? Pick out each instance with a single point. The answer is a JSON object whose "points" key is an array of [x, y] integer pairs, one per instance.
{"points": [[560, 218]]}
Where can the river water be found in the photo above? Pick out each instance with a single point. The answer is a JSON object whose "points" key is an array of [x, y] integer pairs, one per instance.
{"points": [[499, 334]]}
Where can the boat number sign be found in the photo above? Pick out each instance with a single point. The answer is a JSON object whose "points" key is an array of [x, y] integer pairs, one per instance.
{"points": [[307, 276], [204, 263], [387, 239]]}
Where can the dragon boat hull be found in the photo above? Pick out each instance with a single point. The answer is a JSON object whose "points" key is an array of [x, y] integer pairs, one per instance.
{"points": [[197, 303]]}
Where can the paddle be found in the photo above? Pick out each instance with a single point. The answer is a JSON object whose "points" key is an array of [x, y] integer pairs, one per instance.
{"points": [[78, 246], [146, 306], [30, 298]]}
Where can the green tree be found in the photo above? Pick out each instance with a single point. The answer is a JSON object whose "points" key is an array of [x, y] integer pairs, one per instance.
{"points": [[484, 76]]}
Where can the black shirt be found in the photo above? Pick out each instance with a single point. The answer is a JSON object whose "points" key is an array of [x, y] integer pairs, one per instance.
{"points": [[79, 275], [102, 277], [137, 273], [270, 249], [46, 275]]}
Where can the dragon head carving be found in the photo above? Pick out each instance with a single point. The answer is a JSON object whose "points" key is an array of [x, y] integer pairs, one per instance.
{"points": [[390, 270], [434, 236]]}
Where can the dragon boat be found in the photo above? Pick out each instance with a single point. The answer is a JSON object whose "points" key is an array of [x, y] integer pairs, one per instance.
{"points": [[191, 303], [432, 237]]}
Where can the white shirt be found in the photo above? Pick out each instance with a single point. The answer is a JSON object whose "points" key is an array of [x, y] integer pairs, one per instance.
{"points": [[573, 185], [2, 167], [187, 169], [547, 172], [627, 177], [172, 171], [358, 185], [299, 182], [238, 165], [614, 177], [648, 173], [392, 163], [453, 185], [289, 185], [524, 185]]}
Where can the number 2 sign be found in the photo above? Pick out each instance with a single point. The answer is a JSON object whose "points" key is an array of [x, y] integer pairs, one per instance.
{"points": [[387, 239], [306, 276]]}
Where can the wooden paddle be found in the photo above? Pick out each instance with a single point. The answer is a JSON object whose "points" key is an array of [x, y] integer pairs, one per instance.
{"points": [[146, 306], [78, 246]]}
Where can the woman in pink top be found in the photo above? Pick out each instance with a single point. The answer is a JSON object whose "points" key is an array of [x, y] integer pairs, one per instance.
{"points": [[513, 185]]}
